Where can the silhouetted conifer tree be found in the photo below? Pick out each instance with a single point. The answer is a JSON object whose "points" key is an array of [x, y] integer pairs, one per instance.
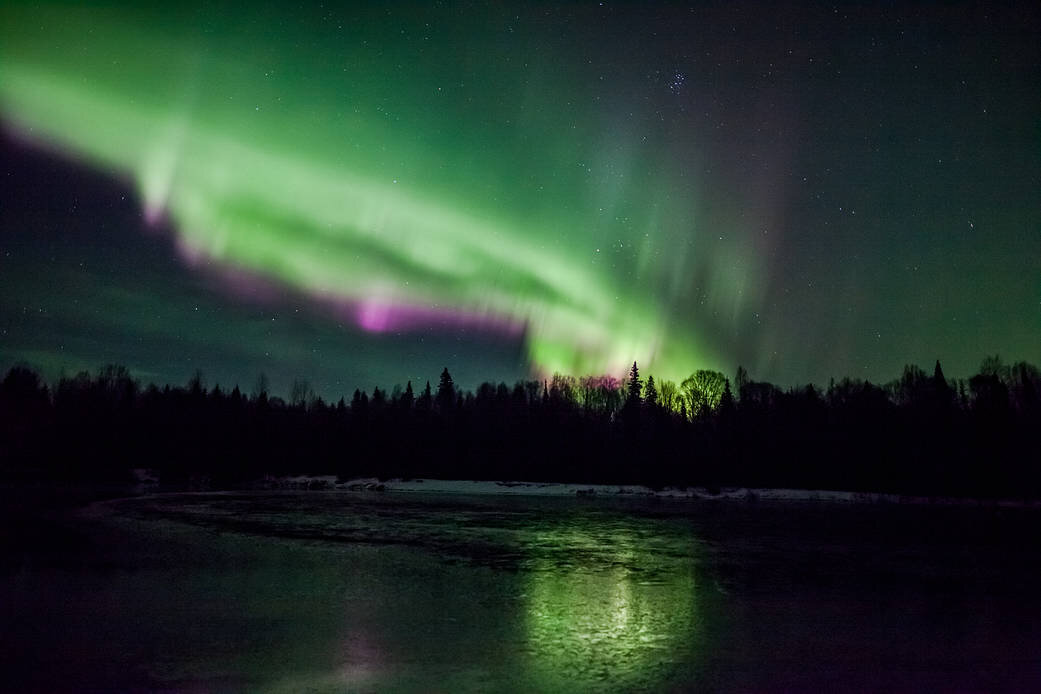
{"points": [[726, 401], [446, 392], [196, 385], [650, 393], [378, 400], [634, 387], [519, 396], [359, 403], [426, 399], [938, 379]]}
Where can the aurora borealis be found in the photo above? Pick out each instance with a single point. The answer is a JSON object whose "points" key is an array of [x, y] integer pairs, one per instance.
{"points": [[360, 196]]}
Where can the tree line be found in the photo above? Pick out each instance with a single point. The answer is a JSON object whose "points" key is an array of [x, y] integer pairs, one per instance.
{"points": [[920, 433]]}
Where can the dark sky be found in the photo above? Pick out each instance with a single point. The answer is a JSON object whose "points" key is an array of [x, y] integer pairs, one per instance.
{"points": [[360, 197]]}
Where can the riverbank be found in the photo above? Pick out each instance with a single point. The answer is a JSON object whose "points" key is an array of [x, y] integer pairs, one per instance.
{"points": [[527, 488]]}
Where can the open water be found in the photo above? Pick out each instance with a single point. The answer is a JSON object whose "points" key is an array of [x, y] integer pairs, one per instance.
{"points": [[368, 592]]}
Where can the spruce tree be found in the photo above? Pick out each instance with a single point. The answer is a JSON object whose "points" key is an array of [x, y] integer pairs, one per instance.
{"points": [[446, 392], [726, 401], [633, 397], [426, 400], [650, 393]]}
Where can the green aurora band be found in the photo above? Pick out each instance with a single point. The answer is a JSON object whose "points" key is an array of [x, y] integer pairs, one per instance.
{"points": [[352, 174]]}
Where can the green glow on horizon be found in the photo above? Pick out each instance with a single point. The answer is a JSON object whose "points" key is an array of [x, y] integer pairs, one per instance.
{"points": [[308, 195]]}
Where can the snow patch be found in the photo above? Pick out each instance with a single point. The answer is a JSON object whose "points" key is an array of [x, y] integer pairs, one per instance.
{"points": [[522, 488]]}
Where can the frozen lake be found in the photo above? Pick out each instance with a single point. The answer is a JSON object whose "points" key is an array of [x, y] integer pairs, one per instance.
{"points": [[337, 591]]}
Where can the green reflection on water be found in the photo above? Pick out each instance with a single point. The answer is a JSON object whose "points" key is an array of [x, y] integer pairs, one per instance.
{"points": [[614, 615]]}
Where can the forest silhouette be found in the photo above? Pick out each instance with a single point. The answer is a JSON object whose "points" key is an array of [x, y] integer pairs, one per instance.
{"points": [[918, 434]]}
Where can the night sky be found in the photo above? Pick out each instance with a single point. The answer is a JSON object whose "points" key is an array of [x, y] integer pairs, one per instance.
{"points": [[362, 196]]}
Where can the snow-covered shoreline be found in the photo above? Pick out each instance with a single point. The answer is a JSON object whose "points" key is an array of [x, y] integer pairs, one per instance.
{"points": [[516, 488]]}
